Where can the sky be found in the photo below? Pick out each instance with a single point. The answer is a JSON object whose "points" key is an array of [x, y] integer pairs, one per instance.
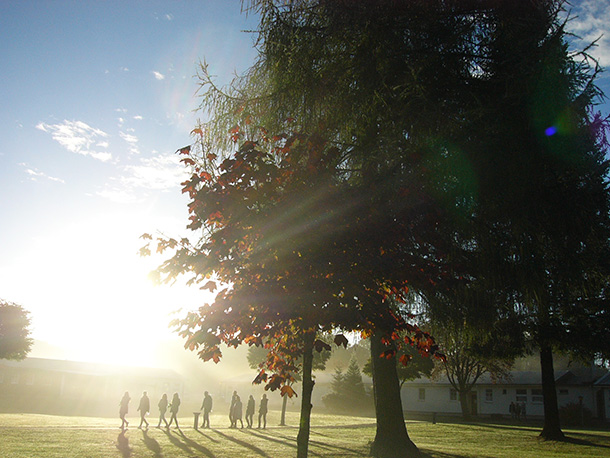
{"points": [[95, 97]]}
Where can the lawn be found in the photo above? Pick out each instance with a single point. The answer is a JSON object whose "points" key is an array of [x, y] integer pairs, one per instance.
{"points": [[40, 436]]}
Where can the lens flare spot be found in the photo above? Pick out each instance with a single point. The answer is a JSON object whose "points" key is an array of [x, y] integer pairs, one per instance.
{"points": [[550, 131]]}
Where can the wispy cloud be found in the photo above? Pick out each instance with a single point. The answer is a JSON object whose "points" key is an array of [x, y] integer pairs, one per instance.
{"points": [[158, 75], [131, 140], [78, 137], [152, 174], [589, 21], [36, 174]]}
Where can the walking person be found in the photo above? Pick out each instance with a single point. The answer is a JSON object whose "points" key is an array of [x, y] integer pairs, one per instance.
{"points": [[174, 407], [123, 409], [231, 407], [206, 406], [250, 411], [262, 411], [163, 403], [144, 408], [238, 412]]}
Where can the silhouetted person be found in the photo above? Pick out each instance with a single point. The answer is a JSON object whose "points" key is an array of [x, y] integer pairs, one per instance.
{"points": [[518, 411], [231, 407], [262, 411], [144, 408], [238, 411], [523, 414], [250, 411], [206, 406], [124, 408], [511, 410], [174, 407], [162, 409]]}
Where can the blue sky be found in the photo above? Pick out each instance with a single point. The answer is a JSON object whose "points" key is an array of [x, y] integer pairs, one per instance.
{"points": [[96, 96]]}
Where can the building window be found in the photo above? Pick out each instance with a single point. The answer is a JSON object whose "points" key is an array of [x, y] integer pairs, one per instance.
{"points": [[563, 392], [453, 395], [1, 378], [521, 396], [489, 395], [14, 379], [29, 379], [537, 396], [504, 391], [422, 394]]}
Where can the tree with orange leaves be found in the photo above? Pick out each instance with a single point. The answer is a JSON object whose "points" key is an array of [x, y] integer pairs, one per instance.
{"points": [[294, 252]]}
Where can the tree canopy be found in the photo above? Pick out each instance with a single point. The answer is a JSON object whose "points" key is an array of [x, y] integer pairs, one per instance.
{"points": [[15, 342]]}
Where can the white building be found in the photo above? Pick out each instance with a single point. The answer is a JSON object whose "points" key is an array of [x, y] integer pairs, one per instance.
{"points": [[524, 387]]}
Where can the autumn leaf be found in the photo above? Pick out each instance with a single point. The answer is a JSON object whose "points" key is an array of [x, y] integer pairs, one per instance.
{"points": [[275, 382], [404, 359], [261, 377], [146, 236], [184, 150], [388, 354], [211, 285], [287, 390], [318, 345], [340, 339]]}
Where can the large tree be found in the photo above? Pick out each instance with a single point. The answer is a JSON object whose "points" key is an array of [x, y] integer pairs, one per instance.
{"points": [[542, 211], [297, 251], [15, 342], [433, 116]]}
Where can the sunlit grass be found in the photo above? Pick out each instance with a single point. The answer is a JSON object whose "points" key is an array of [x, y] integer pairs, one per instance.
{"points": [[44, 436]]}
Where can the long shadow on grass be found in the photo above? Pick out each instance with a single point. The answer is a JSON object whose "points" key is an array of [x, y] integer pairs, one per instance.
{"points": [[533, 429], [210, 438], [431, 454], [187, 444], [587, 443], [290, 441], [122, 444], [254, 448], [151, 444]]}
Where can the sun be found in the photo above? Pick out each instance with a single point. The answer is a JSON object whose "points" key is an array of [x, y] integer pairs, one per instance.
{"points": [[96, 300]]}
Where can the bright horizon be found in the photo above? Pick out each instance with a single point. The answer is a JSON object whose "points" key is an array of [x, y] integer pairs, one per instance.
{"points": [[97, 97]]}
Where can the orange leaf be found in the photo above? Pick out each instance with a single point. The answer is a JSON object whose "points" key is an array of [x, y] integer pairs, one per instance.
{"points": [[287, 390]]}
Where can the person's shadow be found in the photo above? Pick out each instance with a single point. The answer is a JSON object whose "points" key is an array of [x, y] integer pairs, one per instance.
{"points": [[123, 445], [151, 444]]}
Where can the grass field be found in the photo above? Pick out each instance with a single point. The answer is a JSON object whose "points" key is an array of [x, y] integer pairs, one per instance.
{"points": [[40, 436]]}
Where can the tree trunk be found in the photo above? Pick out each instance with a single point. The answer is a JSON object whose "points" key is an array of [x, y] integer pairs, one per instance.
{"points": [[283, 417], [303, 436], [552, 428], [391, 439], [465, 404]]}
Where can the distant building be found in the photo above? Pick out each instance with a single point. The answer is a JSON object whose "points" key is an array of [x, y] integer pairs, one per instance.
{"points": [[589, 387], [49, 386]]}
